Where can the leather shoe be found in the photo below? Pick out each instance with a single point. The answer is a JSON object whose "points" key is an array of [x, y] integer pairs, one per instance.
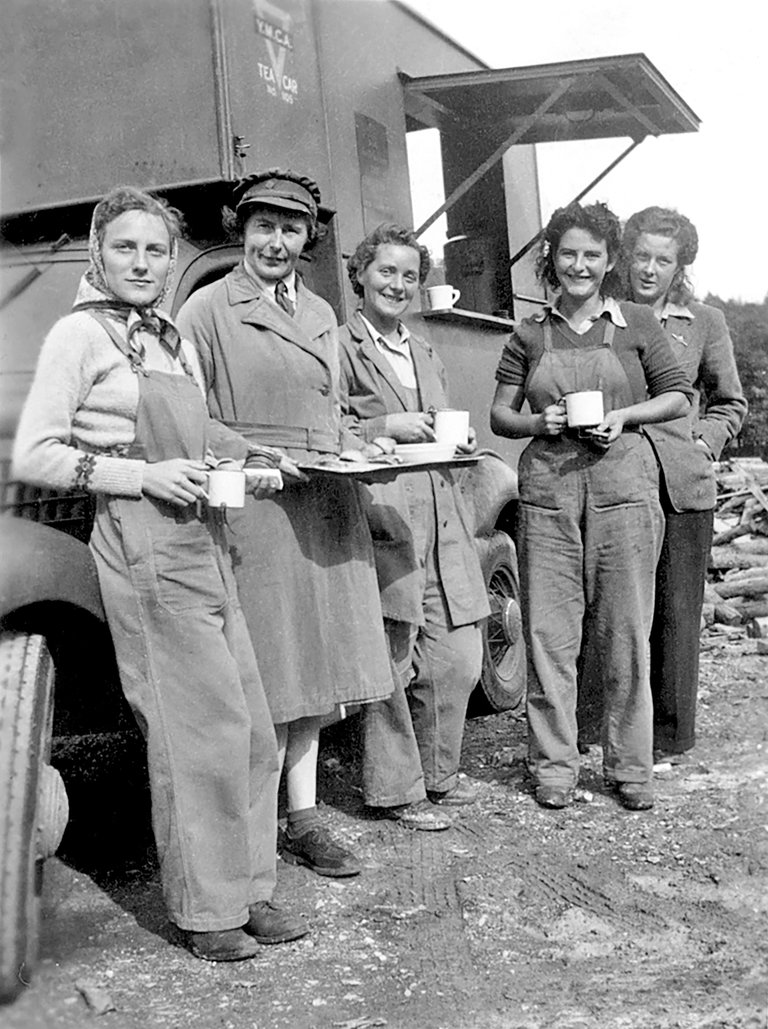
{"points": [[268, 923], [554, 796], [316, 850], [420, 815], [463, 793], [635, 796], [226, 945]]}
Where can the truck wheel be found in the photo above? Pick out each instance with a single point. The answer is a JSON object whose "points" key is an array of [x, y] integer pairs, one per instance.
{"points": [[27, 789], [502, 683]]}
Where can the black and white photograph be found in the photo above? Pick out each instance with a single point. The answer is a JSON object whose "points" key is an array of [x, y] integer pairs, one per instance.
{"points": [[383, 515]]}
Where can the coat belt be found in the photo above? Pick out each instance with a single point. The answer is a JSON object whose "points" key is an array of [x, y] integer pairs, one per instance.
{"points": [[287, 436]]}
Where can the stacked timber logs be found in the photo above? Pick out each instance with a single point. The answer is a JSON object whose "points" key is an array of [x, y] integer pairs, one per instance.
{"points": [[737, 591]]}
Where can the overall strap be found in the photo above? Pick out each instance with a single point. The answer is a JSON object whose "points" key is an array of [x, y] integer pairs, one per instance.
{"points": [[128, 350], [134, 351]]}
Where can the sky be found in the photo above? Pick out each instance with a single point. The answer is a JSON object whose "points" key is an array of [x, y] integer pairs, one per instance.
{"points": [[713, 55]]}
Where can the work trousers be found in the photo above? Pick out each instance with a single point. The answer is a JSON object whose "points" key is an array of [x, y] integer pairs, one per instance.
{"points": [[675, 635], [587, 557], [413, 738], [188, 671]]}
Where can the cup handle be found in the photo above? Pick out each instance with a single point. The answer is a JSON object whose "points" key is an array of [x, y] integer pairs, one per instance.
{"points": [[455, 296]]}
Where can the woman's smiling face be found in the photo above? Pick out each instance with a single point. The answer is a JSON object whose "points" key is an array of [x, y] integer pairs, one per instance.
{"points": [[389, 284], [581, 264]]}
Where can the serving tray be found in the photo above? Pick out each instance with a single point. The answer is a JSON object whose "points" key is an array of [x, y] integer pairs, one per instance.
{"points": [[370, 470]]}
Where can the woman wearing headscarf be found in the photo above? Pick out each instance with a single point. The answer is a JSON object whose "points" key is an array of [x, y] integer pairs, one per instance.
{"points": [[660, 244], [590, 525], [117, 408], [270, 355]]}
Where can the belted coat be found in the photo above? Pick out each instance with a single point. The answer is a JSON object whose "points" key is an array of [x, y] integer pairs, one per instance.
{"points": [[303, 558]]}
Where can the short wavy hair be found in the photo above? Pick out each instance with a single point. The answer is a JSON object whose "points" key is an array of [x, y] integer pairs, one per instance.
{"points": [[234, 221], [596, 219], [129, 198], [387, 233], [665, 221]]}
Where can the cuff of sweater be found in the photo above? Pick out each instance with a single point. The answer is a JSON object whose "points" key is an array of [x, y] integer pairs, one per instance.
{"points": [[374, 427], [117, 475]]}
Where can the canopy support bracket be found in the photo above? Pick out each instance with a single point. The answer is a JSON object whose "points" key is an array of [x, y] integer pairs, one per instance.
{"points": [[498, 153], [534, 239]]}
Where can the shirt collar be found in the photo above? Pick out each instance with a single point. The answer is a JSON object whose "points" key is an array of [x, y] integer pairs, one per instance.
{"points": [[610, 309], [269, 287], [402, 332], [671, 310]]}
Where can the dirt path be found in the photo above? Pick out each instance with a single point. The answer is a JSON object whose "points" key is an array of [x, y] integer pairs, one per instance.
{"points": [[589, 918]]}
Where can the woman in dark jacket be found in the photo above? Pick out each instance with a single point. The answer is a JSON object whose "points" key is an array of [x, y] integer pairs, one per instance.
{"points": [[432, 591], [660, 244]]}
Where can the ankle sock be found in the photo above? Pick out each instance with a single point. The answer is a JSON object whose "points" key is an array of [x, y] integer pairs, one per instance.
{"points": [[302, 821]]}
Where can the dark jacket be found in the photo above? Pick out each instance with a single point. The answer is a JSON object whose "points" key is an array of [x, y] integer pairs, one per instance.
{"points": [[369, 391], [701, 342]]}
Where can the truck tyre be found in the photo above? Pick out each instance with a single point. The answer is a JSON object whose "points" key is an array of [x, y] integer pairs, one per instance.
{"points": [[26, 786], [502, 683]]}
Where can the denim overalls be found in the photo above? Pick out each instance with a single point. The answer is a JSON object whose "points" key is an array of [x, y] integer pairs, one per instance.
{"points": [[188, 671], [590, 531]]}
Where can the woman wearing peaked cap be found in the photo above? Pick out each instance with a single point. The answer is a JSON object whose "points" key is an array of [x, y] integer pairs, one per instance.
{"points": [[304, 561]]}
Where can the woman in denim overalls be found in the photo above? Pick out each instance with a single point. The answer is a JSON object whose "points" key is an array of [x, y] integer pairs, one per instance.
{"points": [[116, 408], [590, 525]]}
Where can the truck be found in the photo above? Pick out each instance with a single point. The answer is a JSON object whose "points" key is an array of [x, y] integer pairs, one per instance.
{"points": [[183, 98]]}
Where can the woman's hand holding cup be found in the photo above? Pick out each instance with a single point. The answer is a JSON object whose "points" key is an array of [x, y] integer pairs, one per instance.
{"points": [[551, 421], [179, 481], [410, 427]]}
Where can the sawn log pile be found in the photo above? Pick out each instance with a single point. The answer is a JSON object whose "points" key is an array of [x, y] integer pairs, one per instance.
{"points": [[736, 594]]}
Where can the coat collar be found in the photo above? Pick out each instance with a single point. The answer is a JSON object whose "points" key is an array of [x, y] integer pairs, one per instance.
{"points": [[421, 353], [312, 320]]}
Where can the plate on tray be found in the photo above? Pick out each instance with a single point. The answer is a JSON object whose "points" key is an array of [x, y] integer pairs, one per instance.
{"points": [[370, 472], [420, 452]]}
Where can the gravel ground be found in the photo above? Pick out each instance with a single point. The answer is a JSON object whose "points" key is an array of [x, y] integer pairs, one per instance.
{"points": [[587, 918]]}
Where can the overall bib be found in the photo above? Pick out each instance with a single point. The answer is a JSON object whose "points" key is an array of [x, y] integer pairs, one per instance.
{"points": [[589, 538], [188, 671]]}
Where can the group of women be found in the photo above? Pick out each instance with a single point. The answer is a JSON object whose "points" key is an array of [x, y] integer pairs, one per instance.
{"points": [[236, 638], [616, 524]]}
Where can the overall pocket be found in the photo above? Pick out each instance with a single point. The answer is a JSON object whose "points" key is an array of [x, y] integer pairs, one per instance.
{"points": [[186, 572]]}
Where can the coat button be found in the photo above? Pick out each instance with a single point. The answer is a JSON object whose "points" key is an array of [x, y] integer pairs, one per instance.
{"points": [[324, 391]]}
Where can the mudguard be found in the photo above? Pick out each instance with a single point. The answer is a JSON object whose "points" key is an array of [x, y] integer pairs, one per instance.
{"points": [[488, 487], [38, 563]]}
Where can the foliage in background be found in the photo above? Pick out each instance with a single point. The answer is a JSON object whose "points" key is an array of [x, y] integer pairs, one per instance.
{"points": [[748, 324]]}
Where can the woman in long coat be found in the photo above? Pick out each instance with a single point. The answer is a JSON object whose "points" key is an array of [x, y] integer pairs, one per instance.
{"points": [[304, 563]]}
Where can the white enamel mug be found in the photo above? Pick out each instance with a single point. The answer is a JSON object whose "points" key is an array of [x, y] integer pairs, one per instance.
{"points": [[584, 409], [226, 488], [452, 427], [442, 298]]}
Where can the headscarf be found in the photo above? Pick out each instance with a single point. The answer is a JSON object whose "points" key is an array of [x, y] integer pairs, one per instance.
{"points": [[94, 294]]}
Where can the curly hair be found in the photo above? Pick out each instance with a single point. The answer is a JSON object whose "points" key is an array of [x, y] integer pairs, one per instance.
{"points": [[129, 198], [596, 219], [234, 221], [665, 221], [387, 233]]}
